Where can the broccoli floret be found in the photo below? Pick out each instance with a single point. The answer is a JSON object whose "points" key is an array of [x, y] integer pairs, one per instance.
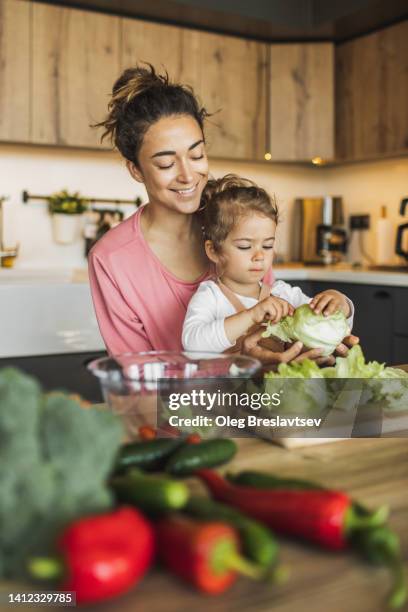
{"points": [[55, 457]]}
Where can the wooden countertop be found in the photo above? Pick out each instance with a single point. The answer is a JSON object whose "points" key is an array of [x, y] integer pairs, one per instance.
{"points": [[375, 471]]}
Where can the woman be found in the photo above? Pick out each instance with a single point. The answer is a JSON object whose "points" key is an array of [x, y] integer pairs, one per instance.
{"points": [[144, 272]]}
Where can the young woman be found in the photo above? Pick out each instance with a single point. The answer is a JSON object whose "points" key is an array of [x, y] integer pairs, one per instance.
{"points": [[144, 272]]}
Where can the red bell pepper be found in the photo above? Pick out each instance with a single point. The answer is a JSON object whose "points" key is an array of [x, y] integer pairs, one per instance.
{"points": [[325, 517], [102, 555], [204, 554]]}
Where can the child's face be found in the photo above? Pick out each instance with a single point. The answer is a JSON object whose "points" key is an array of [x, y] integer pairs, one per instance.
{"points": [[247, 252]]}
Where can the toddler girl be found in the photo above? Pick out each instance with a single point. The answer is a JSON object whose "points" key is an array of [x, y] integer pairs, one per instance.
{"points": [[240, 222]]}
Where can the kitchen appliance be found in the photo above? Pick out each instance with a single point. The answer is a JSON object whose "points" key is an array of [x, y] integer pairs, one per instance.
{"points": [[399, 245], [319, 236]]}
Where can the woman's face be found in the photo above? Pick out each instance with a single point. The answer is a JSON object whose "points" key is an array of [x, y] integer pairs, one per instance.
{"points": [[173, 163]]}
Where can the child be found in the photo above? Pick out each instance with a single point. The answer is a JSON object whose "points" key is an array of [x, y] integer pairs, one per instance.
{"points": [[240, 222]]}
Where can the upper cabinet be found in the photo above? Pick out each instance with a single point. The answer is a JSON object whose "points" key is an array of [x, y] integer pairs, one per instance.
{"points": [[273, 101], [301, 115], [170, 48], [75, 59], [14, 70], [372, 94], [234, 89]]}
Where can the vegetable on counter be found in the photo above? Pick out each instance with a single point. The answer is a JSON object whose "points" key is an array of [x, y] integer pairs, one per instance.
{"points": [[206, 454], [328, 518], [365, 531], [258, 542], [264, 480], [55, 458], [204, 554], [313, 330], [147, 454], [101, 556], [380, 546], [150, 492]]}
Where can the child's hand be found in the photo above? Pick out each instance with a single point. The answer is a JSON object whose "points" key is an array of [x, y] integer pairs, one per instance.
{"points": [[328, 302], [270, 309]]}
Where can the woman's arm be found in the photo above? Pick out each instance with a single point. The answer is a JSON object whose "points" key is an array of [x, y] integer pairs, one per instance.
{"points": [[120, 327]]}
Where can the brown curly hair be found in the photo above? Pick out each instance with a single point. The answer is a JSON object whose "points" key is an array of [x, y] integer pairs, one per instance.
{"points": [[140, 97], [224, 201]]}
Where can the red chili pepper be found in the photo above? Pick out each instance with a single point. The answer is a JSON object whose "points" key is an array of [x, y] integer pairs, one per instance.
{"points": [[147, 432], [323, 517], [193, 438], [204, 554], [103, 555]]}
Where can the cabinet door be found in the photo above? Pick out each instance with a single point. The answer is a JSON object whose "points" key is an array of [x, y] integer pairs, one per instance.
{"points": [[400, 350], [233, 87], [74, 64], [301, 114], [372, 93], [170, 48], [373, 318], [14, 70]]}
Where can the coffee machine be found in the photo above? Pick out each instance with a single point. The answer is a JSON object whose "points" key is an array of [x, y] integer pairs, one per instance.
{"points": [[319, 236]]}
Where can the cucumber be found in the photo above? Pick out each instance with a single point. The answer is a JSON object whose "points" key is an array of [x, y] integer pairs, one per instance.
{"points": [[147, 455], [207, 454], [150, 492]]}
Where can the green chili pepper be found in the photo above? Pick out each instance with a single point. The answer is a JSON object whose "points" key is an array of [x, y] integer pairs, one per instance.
{"points": [[258, 542], [381, 546]]}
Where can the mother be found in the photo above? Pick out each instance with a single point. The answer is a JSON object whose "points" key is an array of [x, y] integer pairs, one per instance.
{"points": [[144, 272]]}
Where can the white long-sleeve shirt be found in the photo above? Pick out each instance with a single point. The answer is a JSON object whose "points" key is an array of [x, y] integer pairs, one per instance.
{"points": [[204, 329]]}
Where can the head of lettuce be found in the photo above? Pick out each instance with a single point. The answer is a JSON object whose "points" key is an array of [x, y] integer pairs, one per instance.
{"points": [[313, 330]]}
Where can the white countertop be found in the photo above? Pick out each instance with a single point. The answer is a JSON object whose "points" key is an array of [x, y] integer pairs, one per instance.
{"points": [[341, 273]]}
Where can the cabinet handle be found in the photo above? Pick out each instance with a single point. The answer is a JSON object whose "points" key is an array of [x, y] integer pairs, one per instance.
{"points": [[382, 295]]}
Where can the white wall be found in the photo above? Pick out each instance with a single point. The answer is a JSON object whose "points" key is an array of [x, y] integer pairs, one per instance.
{"points": [[42, 170]]}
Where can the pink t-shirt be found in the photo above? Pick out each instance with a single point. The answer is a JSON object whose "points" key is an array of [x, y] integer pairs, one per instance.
{"points": [[139, 304]]}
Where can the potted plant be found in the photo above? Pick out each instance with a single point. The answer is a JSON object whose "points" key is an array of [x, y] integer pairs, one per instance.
{"points": [[66, 212]]}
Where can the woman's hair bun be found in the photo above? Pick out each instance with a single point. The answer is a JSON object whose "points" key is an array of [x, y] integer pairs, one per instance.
{"points": [[135, 81]]}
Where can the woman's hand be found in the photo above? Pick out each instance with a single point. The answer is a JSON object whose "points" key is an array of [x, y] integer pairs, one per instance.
{"points": [[330, 301], [348, 342], [251, 347]]}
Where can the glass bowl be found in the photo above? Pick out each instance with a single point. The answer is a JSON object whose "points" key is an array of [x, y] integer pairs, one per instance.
{"points": [[132, 382]]}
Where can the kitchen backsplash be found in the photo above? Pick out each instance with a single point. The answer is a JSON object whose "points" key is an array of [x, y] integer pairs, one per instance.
{"points": [[365, 187]]}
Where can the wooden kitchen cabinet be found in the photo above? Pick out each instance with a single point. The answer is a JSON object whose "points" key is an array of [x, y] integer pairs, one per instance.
{"points": [[170, 48], [14, 70], [371, 94], [234, 88], [301, 93], [75, 59]]}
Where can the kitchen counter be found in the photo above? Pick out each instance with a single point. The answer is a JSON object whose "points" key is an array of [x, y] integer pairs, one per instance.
{"points": [[289, 272], [375, 471], [341, 273]]}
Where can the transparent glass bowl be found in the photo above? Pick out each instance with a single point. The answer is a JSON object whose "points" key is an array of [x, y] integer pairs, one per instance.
{"points": [[130, 382]]}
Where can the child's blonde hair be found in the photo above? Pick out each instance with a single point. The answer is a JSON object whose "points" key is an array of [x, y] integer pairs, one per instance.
{"points": [[224, 201]]}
